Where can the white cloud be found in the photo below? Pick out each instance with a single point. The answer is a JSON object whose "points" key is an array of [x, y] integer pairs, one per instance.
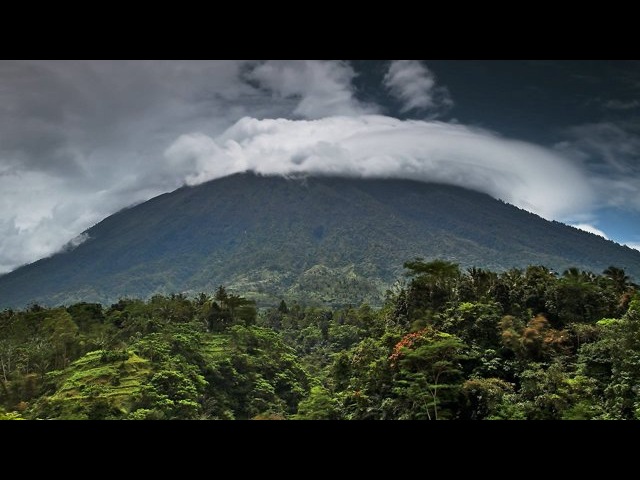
{"points": [[415, 86], [41, 219], [634, 245], [77, 241], [83, 139], [524, 174], [591, 229], [321, 88]]}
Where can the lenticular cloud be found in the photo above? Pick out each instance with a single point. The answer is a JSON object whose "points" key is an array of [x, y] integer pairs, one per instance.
{"points": [[531, 177]]}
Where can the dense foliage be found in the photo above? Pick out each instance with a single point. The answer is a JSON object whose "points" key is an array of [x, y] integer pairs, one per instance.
{"points": [[446, 344]]}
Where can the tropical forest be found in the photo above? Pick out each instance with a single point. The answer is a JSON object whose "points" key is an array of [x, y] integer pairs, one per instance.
{"points": [[446, 344]]}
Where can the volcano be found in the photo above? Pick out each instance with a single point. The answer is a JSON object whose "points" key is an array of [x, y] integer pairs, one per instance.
{"points": [[313, 239]]}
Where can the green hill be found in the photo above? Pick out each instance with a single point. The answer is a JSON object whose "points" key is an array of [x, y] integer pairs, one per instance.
{"points": [[316, 239]]}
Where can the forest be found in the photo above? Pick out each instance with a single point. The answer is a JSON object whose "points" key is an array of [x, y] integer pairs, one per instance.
{"points": [[447, 344]]}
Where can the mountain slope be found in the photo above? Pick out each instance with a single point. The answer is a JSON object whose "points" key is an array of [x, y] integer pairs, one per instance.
{"points": [[318, 238]]}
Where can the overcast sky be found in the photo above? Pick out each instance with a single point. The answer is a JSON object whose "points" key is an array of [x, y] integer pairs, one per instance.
{"points": [[80, 140]]}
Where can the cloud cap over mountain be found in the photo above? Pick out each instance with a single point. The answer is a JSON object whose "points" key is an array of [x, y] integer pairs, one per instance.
{"points": [[80, 140]]}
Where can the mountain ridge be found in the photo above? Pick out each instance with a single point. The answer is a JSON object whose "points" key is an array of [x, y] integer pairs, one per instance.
{"points": [[316, 238]]}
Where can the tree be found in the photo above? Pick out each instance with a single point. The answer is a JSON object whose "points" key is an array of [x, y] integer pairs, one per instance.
{"points": [[429, 373], [536, 340], [620, 281], [477, 284], [482, 396], [614, 362], [319, 405], [8, 353], [62, 333], [282, 308], [266, 374], [433, 284], [550, 392], [87, 316], [621, 286], [175, 393], [227, 310], [576, 297], [475, 323], [509, 291], [537, 280]]}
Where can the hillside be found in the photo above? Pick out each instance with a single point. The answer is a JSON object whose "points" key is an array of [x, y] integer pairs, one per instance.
{"points": [[446, 345], [317, 239]]}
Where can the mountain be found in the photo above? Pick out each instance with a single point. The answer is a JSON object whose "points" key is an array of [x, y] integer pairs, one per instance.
{"points": [[316, 239]]}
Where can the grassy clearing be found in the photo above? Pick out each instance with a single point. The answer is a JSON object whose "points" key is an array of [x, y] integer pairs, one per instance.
{"points": [[90, 378], [215, 346]]}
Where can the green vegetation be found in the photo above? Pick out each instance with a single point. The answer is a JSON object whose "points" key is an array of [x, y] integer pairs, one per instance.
{"points": [[446, 344], [318, 241]]}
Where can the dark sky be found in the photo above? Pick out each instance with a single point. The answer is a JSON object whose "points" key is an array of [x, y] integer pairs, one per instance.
{"points": [[81, 139], [592, 106], [538, 100]]}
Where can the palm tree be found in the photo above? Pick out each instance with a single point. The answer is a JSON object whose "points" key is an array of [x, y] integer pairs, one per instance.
{"points": [[619, 279]]}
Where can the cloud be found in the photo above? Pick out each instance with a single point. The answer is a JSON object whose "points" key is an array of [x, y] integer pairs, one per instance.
{"points": [[634, 245], [320, 88], [521, 173], [591, 229], [608, 153], [414, 85], [80, 140], [77, 241], [621, 104]]}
